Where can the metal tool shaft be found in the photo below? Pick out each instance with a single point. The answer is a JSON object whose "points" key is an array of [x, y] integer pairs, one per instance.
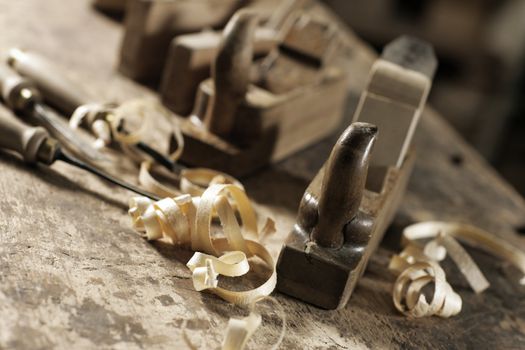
{"points": [[160, 158], [79, 164], [45, 117]]}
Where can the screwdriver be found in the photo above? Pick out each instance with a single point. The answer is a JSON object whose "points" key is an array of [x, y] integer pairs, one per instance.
{"points": [[65, 95], [36, 146]]}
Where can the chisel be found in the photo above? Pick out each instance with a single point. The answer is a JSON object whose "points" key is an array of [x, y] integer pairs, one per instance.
{"points": [[66, 95], [21, 96], [36, 146]]}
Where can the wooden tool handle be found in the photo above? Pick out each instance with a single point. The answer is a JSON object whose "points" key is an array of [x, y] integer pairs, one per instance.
{"points": [[16, 91], [231, 72], [56, 88], [343, 183], [21, 138]]}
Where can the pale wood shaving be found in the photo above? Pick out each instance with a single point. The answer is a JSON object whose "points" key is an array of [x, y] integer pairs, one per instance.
{"points": [[186, 220], [106, 128], [471, 235], [417, 265], [239, 331], [466, 265], [408, 293]]}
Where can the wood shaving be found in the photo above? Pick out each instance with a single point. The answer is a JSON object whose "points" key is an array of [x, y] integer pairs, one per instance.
{"points": [[467, 266], [409, 297], [186, 221], [239, 331], [108, 119], [417, 266], [470, 235]]}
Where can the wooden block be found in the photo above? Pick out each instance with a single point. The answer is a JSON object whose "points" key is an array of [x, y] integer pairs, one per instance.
{"points": [[187, 64], [309, 46]]}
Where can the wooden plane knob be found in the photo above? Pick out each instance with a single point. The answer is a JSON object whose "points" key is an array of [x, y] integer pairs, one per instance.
{"points": [[231, 72], [343, 184]]}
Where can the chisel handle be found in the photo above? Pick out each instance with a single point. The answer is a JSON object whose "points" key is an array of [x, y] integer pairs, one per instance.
{"points": [[16, 91], [57, 89], [25, 140]]}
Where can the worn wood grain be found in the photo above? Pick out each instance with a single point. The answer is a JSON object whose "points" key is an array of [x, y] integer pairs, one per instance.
{"points": [[74, 275]]}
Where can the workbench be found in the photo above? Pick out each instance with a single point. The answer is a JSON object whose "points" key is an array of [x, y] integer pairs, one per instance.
{"points": [[74, 274]]}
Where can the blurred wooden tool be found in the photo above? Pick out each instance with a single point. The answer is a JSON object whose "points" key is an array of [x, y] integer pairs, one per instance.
{"points": [[248, 114], [191, 56], [150, 25]]}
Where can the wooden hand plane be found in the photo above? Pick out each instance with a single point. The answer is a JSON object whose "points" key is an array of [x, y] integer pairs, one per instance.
{"points": [[251, 113], [350, 203], [191, 56], [150, 26]]}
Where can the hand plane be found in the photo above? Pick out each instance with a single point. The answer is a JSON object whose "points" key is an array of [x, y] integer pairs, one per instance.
{"points": [[252, 113], [350, 203], [191, 56], [150, 26]]}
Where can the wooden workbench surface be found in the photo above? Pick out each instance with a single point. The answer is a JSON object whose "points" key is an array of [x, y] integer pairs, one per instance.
{"points": [[74, 274]]}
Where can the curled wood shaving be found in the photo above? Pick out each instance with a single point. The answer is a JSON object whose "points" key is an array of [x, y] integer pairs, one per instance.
{"points": [[410, 255], [108, 119], [205, 277], [239, 331], [417, 265], [417, 270], [467, 266], [409, 297], [186, 220], [471, 235], [192, 181], [206, 268]]}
